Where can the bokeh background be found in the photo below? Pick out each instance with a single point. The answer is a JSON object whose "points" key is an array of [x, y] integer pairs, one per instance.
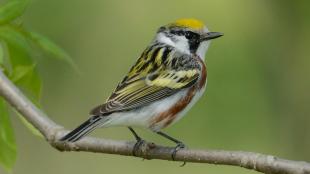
{"points": [[258, 79]]}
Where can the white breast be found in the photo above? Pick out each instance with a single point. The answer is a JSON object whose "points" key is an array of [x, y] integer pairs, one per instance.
{"points": [[142, 117]]}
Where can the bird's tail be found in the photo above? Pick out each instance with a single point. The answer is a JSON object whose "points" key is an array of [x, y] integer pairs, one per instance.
{"points": [[84, 129]]}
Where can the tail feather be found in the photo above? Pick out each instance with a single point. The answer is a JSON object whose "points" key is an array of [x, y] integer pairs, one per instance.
{"points": [[84, 129]]}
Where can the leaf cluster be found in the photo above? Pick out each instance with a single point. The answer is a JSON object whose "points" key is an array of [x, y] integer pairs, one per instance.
{"points": [[18, 46]]}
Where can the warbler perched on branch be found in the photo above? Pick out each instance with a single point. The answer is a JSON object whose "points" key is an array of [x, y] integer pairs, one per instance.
{"points": [[164, 83]]}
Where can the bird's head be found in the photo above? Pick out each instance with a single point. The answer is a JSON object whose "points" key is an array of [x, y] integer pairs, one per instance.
{"points": [[190, 36]]}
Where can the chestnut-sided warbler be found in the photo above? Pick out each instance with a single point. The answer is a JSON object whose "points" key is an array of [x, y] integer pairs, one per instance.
{"points": [[163, 84]]}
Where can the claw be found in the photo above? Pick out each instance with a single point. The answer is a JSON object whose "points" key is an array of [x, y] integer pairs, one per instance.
{"points": [[179, 145], [137, 147], [176, 149], [183, 164]]}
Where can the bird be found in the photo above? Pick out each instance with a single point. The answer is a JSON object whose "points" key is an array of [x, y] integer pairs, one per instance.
{"points": [[163, 84]]}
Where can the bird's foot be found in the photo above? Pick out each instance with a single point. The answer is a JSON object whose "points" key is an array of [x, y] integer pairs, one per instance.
{"points": [[179, 146], [137, 146]]}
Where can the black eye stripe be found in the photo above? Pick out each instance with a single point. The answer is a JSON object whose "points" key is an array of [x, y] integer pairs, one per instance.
{"points": [[178, 32], [193, 38], [191, 35], [187, 34]]}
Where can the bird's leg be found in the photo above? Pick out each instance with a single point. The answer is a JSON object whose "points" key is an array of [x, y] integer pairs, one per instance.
{"points": [[179, 145], [139, 142]]}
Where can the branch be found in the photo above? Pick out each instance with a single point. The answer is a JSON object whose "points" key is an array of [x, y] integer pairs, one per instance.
{"points": [[53, 132]]}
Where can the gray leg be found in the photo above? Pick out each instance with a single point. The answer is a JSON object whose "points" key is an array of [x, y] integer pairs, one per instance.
{"points": [[139, 142], [179, 145]]}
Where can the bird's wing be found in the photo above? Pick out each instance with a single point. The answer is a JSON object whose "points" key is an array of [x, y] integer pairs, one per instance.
{"points": [[142, 86]]}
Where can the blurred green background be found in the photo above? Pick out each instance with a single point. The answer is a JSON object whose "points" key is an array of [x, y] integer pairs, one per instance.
{"points": [[258, 79]]}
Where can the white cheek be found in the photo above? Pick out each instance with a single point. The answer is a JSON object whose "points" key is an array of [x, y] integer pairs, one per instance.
{"points": [[164, 39], [181, 44], [202, 49]]}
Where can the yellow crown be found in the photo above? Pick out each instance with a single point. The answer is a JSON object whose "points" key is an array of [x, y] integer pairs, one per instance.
{"points": [[189, 23]]}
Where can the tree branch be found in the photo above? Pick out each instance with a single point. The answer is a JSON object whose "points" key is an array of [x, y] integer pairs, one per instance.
{"points": [[53, 132]]}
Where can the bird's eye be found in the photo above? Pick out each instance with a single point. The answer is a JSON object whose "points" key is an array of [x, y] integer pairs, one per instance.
{"points": [[189, 35]]}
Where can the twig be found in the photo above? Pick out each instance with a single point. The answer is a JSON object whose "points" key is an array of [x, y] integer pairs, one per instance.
{"points": [[52, 132]]}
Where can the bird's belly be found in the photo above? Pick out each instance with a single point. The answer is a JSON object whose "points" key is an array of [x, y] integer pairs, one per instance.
{"points": [[177, 110], [160, 114], [143, 117]]}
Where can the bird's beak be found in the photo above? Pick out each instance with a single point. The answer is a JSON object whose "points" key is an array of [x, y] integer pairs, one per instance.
{"points": [[210, 36]]}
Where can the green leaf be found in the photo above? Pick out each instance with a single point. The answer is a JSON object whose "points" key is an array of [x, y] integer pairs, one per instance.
{"points": [[1, 56], [7, 139], [11, 10], [23, 72], [23, 69], [17, 45], [19, 75], [28, 79], [50, 47]]}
